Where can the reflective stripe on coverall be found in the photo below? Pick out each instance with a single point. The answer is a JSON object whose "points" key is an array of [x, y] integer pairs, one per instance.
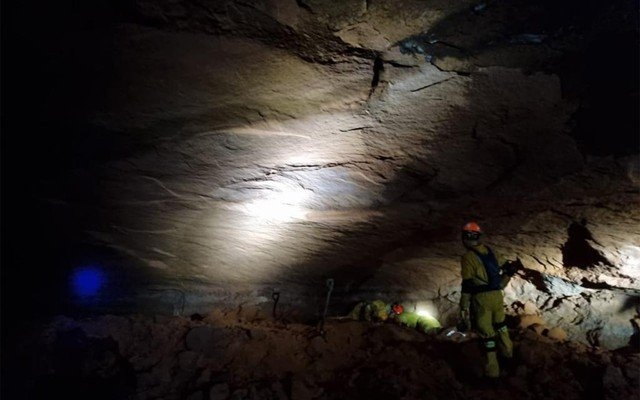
{"points": [[486, 307]]}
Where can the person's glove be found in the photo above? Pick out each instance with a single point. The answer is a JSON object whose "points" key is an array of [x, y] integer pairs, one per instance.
{"points": [[464, 320], [511, 267]]}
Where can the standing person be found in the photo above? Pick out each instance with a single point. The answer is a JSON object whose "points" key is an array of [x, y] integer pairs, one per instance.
{"points": [[484, 275]]}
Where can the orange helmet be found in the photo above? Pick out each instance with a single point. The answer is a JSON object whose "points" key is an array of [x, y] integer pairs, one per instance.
{"points": [[471, 233], [471, 227], [397, 309]]}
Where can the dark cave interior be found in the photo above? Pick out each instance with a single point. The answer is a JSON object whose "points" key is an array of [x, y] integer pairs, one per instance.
{"points": [[169, 165]]}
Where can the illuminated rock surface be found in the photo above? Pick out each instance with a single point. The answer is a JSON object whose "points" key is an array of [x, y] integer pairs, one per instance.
{"points": [[202, 155]]}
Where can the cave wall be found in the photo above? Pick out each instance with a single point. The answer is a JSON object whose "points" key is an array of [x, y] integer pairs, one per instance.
{"points": [[212, 152]]}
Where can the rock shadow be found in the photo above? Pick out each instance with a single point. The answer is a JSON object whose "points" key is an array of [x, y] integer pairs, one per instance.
{"points": [[577, 252]]}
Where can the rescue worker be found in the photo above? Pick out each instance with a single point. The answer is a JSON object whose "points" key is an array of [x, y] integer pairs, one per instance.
{"points": [[371, 311], [484, 275], [379, 311], [413, 320]]}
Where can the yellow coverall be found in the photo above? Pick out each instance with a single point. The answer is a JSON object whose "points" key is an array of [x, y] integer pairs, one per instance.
{"points": [[425, 324], [486, 307], [378, 311], [373, 311]]}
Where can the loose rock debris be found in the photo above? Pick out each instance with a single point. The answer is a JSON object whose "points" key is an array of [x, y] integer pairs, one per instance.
{"points": [[224, 357]]}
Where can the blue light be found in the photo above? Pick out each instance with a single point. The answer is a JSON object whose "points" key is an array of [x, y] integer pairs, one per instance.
{"points": [[87, 281]]}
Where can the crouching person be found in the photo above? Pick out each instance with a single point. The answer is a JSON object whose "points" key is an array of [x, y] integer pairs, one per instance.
{"points": [[379, 311]]}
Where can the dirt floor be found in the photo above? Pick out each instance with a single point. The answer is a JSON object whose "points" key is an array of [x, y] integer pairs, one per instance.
{"points": [[235, 356]]}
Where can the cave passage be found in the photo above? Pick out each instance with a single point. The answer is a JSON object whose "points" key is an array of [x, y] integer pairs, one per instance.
{"points": [[181, 180]]}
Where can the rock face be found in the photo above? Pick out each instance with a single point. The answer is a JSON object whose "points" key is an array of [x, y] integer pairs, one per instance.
{"points": [[214, 153]]}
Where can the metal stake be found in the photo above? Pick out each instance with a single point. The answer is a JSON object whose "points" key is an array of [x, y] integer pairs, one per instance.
{"points": [[275, 296], [320, 327]]}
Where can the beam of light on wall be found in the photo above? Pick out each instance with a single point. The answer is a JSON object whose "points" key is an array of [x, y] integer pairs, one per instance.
{"points": [[427, 312], [631, 261], [280, 195], [281, 205], [87, 281], [426, 309], [424, 313]]}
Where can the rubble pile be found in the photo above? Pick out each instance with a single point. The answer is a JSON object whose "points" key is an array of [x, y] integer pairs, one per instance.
{"points": [[225, 355]]}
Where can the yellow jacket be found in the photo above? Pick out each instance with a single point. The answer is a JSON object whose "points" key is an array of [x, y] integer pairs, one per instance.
{"points": [[473, 272]]}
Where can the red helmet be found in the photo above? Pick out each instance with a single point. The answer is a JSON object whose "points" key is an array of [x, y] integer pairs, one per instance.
{"points": [[397, 309], [471, 227]]}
